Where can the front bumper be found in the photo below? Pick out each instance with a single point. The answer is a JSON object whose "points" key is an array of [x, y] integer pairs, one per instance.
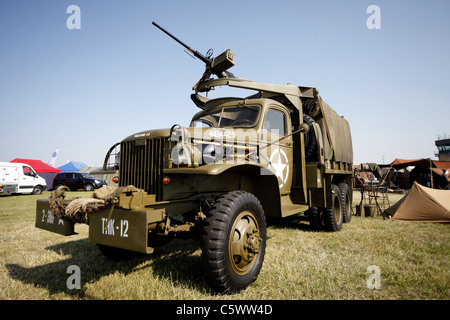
{"points": [[116, 227], [125, 229]]}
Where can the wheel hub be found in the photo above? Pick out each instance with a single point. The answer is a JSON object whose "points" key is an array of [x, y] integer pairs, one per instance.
{"points": [[244, 245]]}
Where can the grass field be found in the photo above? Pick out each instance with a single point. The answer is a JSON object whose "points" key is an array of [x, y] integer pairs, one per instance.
{"points": [[412, 260]]}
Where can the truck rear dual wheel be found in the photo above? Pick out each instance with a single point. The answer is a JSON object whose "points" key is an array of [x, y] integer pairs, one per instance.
{"points": [[234, 241], [346, 200], [333, 215], [331, 218]]}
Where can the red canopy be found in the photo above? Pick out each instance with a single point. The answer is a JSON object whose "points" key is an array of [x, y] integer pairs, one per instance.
{"points": [[37, 165], [403, 163], [444, 165]]}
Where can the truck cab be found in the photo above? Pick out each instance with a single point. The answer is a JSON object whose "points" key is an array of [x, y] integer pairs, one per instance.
{"points": [[264, 122]]}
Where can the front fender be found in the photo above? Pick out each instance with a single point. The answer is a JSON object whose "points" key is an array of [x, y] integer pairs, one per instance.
{"points": [[222, 178]]}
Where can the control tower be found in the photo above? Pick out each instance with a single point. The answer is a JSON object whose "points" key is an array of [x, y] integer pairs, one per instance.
{"points": [[443, 145]]}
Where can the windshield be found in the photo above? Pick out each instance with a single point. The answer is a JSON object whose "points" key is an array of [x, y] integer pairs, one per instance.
{"points": [[242, 116], [87, 175]]}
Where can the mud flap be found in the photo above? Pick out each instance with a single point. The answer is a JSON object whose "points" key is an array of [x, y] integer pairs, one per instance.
{"points": [[47, 221], [121, 228]]}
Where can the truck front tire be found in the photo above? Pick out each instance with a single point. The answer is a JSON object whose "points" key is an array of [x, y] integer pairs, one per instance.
{"points": [[234, 241]]}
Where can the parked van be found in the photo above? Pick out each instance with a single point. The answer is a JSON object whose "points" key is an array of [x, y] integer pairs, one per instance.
{"points": [[20, 178]]}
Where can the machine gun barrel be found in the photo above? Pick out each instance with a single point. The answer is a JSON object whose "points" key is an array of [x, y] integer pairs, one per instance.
{"points": [[194, 52]]}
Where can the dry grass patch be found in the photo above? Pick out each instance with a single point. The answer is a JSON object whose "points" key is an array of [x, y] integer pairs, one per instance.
{"points": [[299, 263]]}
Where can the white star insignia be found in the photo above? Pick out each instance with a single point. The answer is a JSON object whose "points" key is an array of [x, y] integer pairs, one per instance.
{"points": [[277, 163]]}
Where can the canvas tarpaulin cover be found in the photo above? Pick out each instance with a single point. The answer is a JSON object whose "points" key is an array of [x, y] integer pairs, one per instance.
{"points": [[339, 133], [422, 204]]}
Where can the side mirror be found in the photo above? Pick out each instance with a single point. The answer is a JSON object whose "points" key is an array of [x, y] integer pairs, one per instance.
{"points": [[304, 127]]}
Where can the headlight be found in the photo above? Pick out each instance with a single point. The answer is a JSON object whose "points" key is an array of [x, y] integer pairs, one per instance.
{"points": [[184, 152], [186, 155], [181, 155], [97, 181], [212, 154]]}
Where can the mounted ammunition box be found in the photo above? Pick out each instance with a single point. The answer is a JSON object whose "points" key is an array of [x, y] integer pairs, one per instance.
{"points": [[47, 221], [223, 61]]}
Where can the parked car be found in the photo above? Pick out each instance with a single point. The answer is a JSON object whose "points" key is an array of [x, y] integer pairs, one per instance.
{"points": [[20, 178], [75, 181]]}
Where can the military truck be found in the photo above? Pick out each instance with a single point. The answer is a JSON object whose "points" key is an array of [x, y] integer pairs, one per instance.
{"points": [[278, 152]]}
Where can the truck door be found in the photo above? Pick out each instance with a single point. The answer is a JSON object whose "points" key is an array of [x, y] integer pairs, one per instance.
{"points": [[279, 150], [27, 179]]}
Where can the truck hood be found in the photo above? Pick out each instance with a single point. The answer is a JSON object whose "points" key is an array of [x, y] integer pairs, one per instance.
{"points": [[229, 135], [149, 134], [206, 134]]}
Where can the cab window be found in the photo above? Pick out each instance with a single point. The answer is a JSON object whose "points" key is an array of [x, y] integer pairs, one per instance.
{"points": [[28, 171], [276, 122]]}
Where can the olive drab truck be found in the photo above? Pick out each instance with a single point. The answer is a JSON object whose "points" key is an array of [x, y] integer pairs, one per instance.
{"points": [[279, 152]]}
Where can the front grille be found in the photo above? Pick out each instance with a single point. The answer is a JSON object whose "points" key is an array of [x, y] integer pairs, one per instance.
{"points": [[141, 165]]}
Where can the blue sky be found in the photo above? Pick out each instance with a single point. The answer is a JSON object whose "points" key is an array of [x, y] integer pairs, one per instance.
{"points": [[84, 90]]}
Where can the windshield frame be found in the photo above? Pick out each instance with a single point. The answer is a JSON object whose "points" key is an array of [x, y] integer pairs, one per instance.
{"points": [[220, 112]]}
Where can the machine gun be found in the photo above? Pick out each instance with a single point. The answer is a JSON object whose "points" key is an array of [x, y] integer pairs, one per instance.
{"points": [[217, 66]]}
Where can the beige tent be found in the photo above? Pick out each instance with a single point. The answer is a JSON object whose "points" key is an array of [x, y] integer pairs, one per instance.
{"points": [[422, 204]]}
